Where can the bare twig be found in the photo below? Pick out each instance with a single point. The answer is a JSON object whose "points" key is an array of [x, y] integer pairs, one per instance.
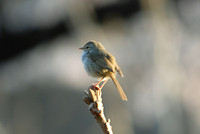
{"points": [[94, 100]]}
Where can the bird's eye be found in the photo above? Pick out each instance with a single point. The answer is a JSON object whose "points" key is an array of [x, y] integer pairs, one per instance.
{"points": [[86, 47]]}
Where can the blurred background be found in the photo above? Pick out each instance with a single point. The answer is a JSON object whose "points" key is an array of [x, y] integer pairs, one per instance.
{"points": [[42, 79]]}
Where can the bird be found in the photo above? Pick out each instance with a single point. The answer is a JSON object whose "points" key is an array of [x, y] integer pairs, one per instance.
{"points": [[100, 64]]}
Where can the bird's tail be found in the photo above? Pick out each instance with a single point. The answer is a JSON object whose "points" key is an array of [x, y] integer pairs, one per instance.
{"points": [[120, 90]]}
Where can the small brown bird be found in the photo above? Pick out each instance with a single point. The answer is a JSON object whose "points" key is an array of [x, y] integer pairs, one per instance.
{"points": [[100, 64]]}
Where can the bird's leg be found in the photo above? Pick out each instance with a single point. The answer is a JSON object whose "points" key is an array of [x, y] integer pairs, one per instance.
{"points": [[97, 84], [104, 83]]}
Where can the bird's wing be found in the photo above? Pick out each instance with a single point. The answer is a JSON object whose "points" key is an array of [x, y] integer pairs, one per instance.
{"points": [[112, 60], [119, 71], [102, 60]]}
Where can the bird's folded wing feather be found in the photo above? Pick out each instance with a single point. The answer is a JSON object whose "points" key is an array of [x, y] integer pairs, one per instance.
{"points": [[112, 60], [102, 61]]}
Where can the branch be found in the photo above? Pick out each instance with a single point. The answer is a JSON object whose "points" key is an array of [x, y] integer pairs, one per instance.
{"points": [[94, 100]]}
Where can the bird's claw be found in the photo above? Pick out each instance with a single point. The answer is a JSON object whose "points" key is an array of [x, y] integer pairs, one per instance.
{"points": [[96, 86]]}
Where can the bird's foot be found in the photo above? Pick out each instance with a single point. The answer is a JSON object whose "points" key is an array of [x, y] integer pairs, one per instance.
{"points": [[96, 86]]}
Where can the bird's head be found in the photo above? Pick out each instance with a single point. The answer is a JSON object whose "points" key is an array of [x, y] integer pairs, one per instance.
{"points": [[92, 45]]}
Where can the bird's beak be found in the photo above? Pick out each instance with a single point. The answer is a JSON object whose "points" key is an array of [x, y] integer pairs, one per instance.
{"points": [[81, 48]]}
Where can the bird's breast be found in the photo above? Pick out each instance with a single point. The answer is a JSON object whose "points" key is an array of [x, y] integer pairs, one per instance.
{"points": [[92, 68]]}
